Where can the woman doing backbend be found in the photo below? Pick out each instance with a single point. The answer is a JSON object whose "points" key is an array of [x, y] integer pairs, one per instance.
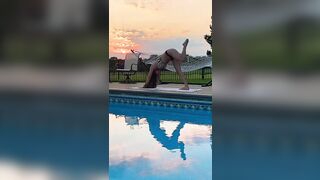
{"points": [[169, 55]]}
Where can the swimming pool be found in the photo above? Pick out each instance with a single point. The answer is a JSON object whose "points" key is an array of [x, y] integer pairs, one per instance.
{"points": [[52, 137], [264, 142], [158, 138]]}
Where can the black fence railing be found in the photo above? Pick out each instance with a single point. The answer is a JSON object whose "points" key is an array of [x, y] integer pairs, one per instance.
{"points": [[200, 76]]}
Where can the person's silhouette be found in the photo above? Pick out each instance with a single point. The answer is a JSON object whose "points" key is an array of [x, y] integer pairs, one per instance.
{"points": [[169, 143]]}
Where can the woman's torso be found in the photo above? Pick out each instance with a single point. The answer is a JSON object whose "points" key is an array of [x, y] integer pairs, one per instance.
{"points": [[166, 57]]}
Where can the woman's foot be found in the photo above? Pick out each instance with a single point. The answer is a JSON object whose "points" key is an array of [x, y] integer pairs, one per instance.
{"points": [[185, 43], [185, 88]]}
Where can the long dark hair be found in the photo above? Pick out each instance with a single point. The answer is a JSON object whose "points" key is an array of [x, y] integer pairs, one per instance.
{"points": [[153, 81]]}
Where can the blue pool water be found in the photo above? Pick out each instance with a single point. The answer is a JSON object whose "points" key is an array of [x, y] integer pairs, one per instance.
{"points": [[52, 138], [276, 145], [156, 142]]}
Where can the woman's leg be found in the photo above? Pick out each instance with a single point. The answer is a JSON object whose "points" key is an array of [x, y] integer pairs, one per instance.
{"points": [[184, 49], [180, 56], [176, 64]]}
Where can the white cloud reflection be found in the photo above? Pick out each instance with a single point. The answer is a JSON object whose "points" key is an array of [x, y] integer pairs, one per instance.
{"points": [[13, 170], [194, 134]]}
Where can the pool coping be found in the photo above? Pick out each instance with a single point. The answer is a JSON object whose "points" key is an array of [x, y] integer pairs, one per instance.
{"points": [[171, 100], [162, 94]]}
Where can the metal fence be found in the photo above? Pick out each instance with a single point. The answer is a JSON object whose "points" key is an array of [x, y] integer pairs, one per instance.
{"points": [[200, 76]]}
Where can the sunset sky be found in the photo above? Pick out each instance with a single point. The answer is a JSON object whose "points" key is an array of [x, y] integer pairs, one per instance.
{"points": [[152, 26]]}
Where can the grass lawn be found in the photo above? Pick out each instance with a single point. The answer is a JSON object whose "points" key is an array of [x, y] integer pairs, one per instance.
{"points": [[75, 49], [276, 49]]}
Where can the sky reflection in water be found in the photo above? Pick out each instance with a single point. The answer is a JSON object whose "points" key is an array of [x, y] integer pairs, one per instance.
{"points": [[146, 145]]}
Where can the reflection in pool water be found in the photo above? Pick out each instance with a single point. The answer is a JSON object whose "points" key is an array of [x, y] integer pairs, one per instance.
{"points": [[159, 143], [52, 138], [266, 145]]}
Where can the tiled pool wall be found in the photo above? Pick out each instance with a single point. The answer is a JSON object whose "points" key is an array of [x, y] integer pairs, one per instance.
{"points": [[162, 101]]}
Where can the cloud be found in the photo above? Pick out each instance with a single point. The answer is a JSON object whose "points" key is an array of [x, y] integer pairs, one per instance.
{"points": [[129, 33], [147, 4], [156, 25], [145, 166], [130, 2], [124, 40]]}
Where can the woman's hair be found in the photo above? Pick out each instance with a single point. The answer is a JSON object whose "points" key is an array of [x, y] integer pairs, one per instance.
{"points": [[153, 81]]}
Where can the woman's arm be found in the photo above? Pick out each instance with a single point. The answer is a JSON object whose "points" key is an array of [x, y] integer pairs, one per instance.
{"points": [[158, 76]]}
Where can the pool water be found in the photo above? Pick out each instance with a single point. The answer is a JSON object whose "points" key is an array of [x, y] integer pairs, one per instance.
{"points": [[156, 142], [266, 145], [44, 137]]}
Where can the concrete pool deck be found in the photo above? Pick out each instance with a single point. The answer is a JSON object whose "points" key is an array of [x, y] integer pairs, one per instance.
{"points": [[258, 90]]}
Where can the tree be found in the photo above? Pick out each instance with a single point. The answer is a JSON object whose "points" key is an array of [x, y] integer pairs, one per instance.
{"points": [[8, 21], [113, 63], [209, 38]]}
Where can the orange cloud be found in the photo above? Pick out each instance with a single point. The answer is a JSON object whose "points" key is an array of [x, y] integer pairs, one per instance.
{"points": [[157, 24], [124, 40]]}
